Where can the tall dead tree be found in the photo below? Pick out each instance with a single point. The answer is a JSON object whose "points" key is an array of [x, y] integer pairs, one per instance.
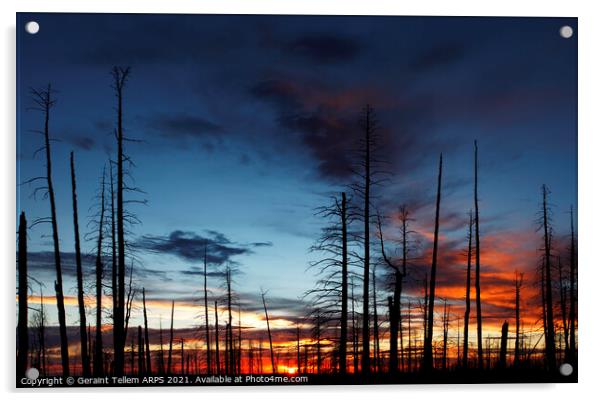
{"points": [[399, 271], [207, 338], [445, 334], [83, 335], [146, 339], [550, 335], [375, 327], [503, 346], [428, 346], [120, 76], [267, 320], [114, 291], [572, 354], [169, 352], [562, 292], [217, 363], [344, 290], [367, 173], [518, 282], [44, 103], [477, 272], [140, 352], [22, 330], [98, 357], [468, 285]]}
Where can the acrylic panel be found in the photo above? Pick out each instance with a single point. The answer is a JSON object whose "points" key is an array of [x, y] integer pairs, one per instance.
{"points": [[295, 200]]}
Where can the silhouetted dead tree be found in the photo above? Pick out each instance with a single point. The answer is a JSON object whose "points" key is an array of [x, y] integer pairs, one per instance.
{"points": [[428, 346], [140, 353], [98, 357], [375, 327], [114, 290], [217, 361], [503, 346], [518, 282], [267, 320], [169, 353], [161, 354], [477, 249], [468, 285], [550, 334], [83, 335], [146, 340], [445, 334], [400, 271], [207, 338], [44, 103], [562, 292], [120, 76], [39, 331], [333, 270], [572, 355], [368, 173], [22, 329]]}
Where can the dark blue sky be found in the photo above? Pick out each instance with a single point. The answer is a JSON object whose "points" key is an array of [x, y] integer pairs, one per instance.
{"points": [[247, 122]]}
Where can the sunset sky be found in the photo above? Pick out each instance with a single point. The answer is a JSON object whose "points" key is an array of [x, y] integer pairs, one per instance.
{"points": [[246, 123]]}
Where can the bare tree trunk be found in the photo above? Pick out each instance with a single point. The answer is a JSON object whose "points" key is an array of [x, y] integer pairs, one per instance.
{"points": [[572, 358], [299, 350], [23, 331], [217, 364], [83, 335], [114, 291], [375, 328], [267, 319], [170, 340], [503, 346], [445, 334], [98, 364], [550, 339], [366, 288], [45, 102], [478, 263], [428, 346], [120, 76], [467, 310], [146, 340], [161, 356], [231, 361], [517, 286], [140, 352], [207, 339], [563, 314], [344, 296]]}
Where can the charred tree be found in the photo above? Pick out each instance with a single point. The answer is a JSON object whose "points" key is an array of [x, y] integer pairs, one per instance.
{"points": [[120, 76], [399, 271], [207, 339], [146, 339], [267, 320], [518, 282], [217, 362], [140, 353], [22, 329], [83, 335], [550, 335], [428, 346], [98, 364], [572, 354], [503, 346], [44, 103], [169, 352], [468, 285], [477, 249]]}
